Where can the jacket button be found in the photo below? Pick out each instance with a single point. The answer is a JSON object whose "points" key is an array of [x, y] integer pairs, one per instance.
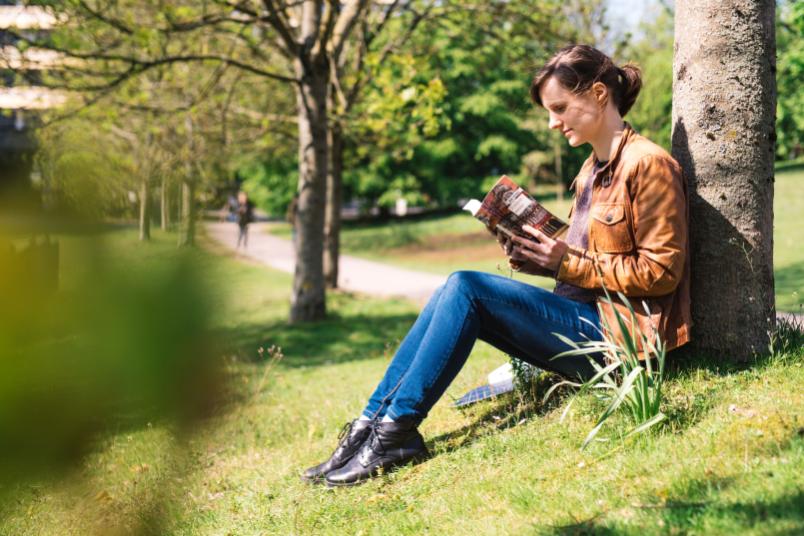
{"points": [[609, 218]]}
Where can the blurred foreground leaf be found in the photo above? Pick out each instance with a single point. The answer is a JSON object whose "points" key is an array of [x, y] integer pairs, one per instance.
{"points": [[122, 346]]}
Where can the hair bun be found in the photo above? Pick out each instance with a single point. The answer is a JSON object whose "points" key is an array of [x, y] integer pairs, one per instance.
{"points": [[631, 84]]}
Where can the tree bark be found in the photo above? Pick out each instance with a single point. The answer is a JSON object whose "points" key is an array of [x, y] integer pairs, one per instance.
{"points": [[332, 221], [145, 209], [724, 100], [308, 301], [187, 216], [164, 204], [187, 223]]}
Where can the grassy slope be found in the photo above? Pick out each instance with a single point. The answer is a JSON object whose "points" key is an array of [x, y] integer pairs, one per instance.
{"points": [[444, 245], [730, 461]]}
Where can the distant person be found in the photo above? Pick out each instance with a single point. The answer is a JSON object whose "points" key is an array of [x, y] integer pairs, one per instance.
{"points": [[229, 210], [245, 215], [628, 233]]}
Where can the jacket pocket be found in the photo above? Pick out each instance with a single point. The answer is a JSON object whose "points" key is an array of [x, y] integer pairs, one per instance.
{"points": [[609, 231]]}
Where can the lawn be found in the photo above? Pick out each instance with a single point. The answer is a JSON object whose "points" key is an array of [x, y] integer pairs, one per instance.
{"points": [[445, 244], [728, 462]]}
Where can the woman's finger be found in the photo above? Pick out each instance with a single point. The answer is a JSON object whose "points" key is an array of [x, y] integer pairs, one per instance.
{"points": [[526, 255], [538, 235], [525, 243], [518, 255]]}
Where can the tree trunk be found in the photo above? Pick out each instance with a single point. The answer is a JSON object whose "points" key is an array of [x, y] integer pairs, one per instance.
{"points": [[308, 301], [332, 221], [724, 100], [164, 204], [187, 224], [187, 216], [145, 209]]}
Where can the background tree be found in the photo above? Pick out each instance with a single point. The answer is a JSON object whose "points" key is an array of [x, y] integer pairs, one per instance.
{"points": [[790, 72], [483, 55], [724, 100], [653, 52]]}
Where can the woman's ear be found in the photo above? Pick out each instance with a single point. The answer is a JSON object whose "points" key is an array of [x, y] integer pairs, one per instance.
{"points": [[600, 93]]}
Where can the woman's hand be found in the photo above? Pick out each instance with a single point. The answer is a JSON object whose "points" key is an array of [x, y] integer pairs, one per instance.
{"points": [[544, 252], [505, 242], [508, 248]]}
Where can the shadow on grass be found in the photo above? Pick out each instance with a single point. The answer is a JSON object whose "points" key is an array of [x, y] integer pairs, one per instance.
{"points": [[508, 410], [334, 340], [503, 412], [685, 514]]}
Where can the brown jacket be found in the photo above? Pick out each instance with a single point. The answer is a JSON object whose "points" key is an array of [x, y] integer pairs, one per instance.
{"points": [[638, 238]]}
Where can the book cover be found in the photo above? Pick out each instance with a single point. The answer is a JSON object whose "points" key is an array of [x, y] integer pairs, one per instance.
{"points": [[507, 207]]}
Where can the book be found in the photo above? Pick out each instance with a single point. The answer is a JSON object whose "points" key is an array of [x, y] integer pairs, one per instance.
{"points": [[507, 208], [500, 381]]}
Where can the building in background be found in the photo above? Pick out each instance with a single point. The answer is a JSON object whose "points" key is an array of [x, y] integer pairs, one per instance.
{"points": [[21, 94]]}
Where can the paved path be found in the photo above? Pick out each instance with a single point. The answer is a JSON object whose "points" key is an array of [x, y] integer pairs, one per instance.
{"points": [[355, 275]]}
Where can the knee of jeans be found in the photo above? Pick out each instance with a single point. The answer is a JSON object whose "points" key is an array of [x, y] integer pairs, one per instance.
{"points": [[463, 281]]}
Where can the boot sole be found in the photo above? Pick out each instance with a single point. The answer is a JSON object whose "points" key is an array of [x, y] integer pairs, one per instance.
{"points": [[314, 481]]}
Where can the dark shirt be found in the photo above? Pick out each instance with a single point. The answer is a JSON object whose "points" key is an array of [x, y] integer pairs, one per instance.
{"points": [[245, 213], [578, 236]]}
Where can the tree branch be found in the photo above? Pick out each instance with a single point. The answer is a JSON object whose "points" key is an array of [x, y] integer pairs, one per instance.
{"points": [[114, 23], [275, 17], [343, 27], [361, 81]]}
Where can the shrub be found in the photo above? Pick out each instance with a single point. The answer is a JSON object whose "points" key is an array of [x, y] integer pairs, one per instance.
{"points": [[625, 384]]}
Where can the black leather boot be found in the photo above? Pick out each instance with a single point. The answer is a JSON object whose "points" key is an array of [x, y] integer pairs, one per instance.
{"points": [[351, 437], [390, 444]]}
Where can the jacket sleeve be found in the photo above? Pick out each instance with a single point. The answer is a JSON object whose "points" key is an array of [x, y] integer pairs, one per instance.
{"points": [[654, 268]]}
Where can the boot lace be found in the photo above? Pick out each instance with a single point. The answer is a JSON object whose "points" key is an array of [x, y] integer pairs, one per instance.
{"points": [[375, 439], [345, 431]]}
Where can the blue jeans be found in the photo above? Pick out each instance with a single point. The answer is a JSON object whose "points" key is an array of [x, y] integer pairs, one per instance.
{"points": [[515, 317]]}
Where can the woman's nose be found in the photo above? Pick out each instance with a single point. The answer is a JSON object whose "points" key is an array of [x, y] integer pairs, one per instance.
{"points": [[553, 121]]}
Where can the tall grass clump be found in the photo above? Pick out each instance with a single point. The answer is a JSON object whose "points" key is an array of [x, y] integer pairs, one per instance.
{"points": [[624, 384], [786, 339]]}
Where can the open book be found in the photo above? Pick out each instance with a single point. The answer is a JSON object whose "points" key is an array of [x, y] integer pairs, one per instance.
{"points": [[507, 207]]}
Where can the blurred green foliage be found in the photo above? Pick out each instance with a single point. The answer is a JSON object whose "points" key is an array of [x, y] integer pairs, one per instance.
{"points": [[789, 75], [110, 349], [434, 120]]}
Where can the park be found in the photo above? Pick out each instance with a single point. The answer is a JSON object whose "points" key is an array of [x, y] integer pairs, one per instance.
{"points": [[220, 219]]}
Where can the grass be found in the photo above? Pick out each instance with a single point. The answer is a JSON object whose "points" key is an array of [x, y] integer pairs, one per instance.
{"points": [[788, 253], [728, 460], [443, 245]]}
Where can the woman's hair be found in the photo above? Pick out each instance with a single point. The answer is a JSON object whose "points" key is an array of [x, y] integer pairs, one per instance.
{"points": [[578, 67]]}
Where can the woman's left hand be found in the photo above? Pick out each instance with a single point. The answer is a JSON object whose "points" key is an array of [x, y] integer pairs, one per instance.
{"points": [[544, 251]]}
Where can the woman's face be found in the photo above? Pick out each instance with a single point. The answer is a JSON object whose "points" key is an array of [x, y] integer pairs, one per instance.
{"points": [[578, 117]]}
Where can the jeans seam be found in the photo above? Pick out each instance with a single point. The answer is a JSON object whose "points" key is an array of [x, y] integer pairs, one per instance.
{"points": [[398, 383], [517, 306], [429, 386]]}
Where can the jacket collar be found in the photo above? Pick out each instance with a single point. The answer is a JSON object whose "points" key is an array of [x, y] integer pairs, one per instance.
{"points": [[606, 171]]}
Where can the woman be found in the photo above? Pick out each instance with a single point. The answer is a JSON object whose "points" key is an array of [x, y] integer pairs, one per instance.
{"points": [[628, 233]]}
